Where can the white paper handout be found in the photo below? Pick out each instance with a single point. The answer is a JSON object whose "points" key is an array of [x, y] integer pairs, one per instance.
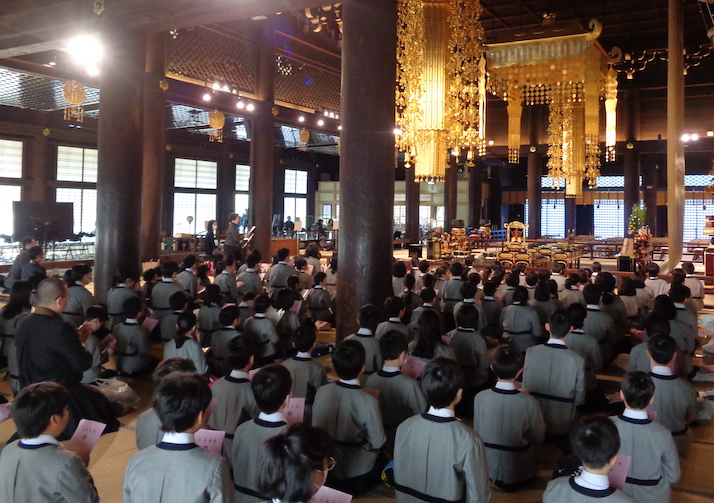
{"points": [[85, 437], [294, 411], [210, 440]]}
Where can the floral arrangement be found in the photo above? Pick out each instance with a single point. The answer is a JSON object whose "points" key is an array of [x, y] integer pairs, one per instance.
{"points": [[637, 220]]}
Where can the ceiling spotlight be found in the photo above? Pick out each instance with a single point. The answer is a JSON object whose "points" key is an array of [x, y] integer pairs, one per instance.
{"points": [[339, 128], [52, 63], [332, 115], [86, 50], [710, 133], [685, 137], [240, 105], [326, 113], [250, 107], [226, 89], [490, 143], [321, 122], [93, 71], [216, 86], [207, 97], [694, 136], [301, 118]]}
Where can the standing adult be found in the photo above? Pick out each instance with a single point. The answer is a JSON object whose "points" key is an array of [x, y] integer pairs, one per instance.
{"points": [[20, 261], [231, 246]]}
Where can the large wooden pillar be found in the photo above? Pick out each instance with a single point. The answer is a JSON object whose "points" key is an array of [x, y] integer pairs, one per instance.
{"points": [[154, 137], [261, 147], [120, 157], [495, 200], [571, 208], [534, 189], [629, 104], [367, 158], [40, 170], [450, 194], [412, 193], [475, 194]]}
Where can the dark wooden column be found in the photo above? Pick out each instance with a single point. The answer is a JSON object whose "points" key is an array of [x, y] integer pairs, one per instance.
{"points": [[120, 158], [367, 161], [226, 200], [39, 170], [495, 201], [450, 194], [154, 168], [475, 194], [535, 159], [651, 164], [630, 104], [570, 218], [262, 145], [412, 190]]}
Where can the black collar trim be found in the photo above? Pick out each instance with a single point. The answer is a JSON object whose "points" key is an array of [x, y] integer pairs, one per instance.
{"points": [[348, 386], [32, 447], [633, 420], [301, 359], [666, 378], [593, 493], [556, 346], [382, 373], [269, 424], [505, 391], [438, 419], [237, 380], [175, 447]]}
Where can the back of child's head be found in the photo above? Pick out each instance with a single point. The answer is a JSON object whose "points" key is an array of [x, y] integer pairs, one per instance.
{"points": [[170, 365], [293, 282], [688, 267], [238, 352], [34, 252], [392, 344], [251, 261], [283, 254], [663, 304], [185, 322], [597, 267], [639, 278], [169, 268], [678, 276], [299, 263], [638, 389], [661, 349], [409, 282], [228, 315], [394, 306], [150, 275], [441, 380], [577, 314], [211, 295], [456, 269], [595, 441], [657, 324], [399, 269], [427, 295], [557, 267], [475, 278], [36, 404], [132, 307], [320, 277], [542, 292], [627, 288], [262, 303], [348, 359], [271, 386], [653, 269], [543, 275], [559, 323], [506, 362], [520, 295], [423, 266], [96, 313], [304, 337], [178, 301], [531, 278], [489, 289], [679, 293], [284, 299], [188, 261], [573, 280], [592, 294], [179, 399], [468, 290], [606, 282], [249, 296], [467, 316], [368, 317]]}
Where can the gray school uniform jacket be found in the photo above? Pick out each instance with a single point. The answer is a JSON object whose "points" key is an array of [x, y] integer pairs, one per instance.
{"points": [[510, 424], [543, 309], [319, 303], [639, 360], [654, 465], [45, 473], [160, 294], [208, 323], [451, 294], [277, 276], [245, 313], [675, 402], [261, 332], [437, 457], [352, 419], [115, 303], [492, 312], [470, 350], [167, 473], [305, 280], [219, 341], [246, 454], [397, 285], [686, 342], [98, 357], [565, 490], [288, 322], [235, 405], [521, 326], [389, 325], [373, 358], [252, 282], [555, 377], [168, 326], [696, 287], [148, 429], [80, 299], [482, 321], [507, 298], [189, 282], [571, 296], [656, 287], [618, 311], [132, 349], [417, 312], [587, 347], [227, 283], [602, 327], [189, 350], [307, 375]]}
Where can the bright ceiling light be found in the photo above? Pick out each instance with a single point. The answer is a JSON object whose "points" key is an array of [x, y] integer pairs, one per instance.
{"points": [[85, 50], [250, 107], [93, 71], [710, 133], [694, 136], [301, 118], [240, 105], [339, 128], [685, 137], [206, 97], [321, 122], [216, 86]]}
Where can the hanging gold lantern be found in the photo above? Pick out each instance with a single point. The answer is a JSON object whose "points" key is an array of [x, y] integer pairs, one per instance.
{"points": [[610, 115], [74, 94], [216, 120], [304, 139]]}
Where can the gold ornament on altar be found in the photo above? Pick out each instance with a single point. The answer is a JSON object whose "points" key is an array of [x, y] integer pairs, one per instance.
{"points": [[74, 94], [304, 136], [216, 120]]}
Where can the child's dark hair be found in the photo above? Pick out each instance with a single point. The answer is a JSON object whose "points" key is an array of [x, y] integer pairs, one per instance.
{"points": [[542, 292], [283, 254], [179, 399], [638, 389], [348, 359], [679, 293], [663, 304], [489, 288], [292, 282], [392, 344], [96, 312], [427, 295], [652, 269], [394, 306], [228, 315], [559, 323], [169, 268], [688, 267], [592, 294], [467, 316], [76, 273], [468, 290], [184, 323], [320, 277], [520, 295], [170, 365], [409, 282], [34, 252], [657, 324], [304, 338], [271, 385], [132, 307], [456, 269], [423, 266], [284, 299], [368, 317], [441, 380], [262, 303], [595, 441], [429, 332], [577, 314], [661, 348], [36, 404], [20, 295], [238, 352], [189, 261], [150, 275], [531, 278], [211, 295], [248, 296], [627, 288], [512, 279], [299, 263], [606, 282], [506, 362], [178, 301], [399, 269]]}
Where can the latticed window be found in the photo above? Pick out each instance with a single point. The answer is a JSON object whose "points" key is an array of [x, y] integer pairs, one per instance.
{"points": [[295, 202], [10, 159], [195, 185], [552, 214], [609, 217], [400, 215], [8, 194], [84, 204], [77, 184]]}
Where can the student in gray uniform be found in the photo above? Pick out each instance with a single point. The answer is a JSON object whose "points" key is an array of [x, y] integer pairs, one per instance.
{"points": [[680, 332], [427, 296], [132, 348], [271, 389], [179, 303], [399, 395], [612, 304], [319, 302], [80, 299], [510, 423], [491, 311], [410, 298], [587, 347], [437, 457], [451, 294], [512, 281], [696, 287], [124, 287], [555, 377], [37, 468], [185, 345], [352, 419], [305, 279], [428, 343], [287, 323], [226, 279], [261, 333], [598, 324], [596, 443], [654, 284], [246, 307], [250, 279], [208, 314], [656, 324], [307, 375], [655, 464], [229, 317], [469, 291], [277, 276], [521, 326], [163, 290], [368, 319], [675, 400], [16, 308], [394, 307], [187, 277], [96, 317], [399, 272], [177, 469], [572, 294]]}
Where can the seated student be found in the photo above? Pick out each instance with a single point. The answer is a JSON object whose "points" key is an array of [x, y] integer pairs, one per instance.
{"points": [[368, 318], [596, 443], [395, 309], [599, 324], [437, 457], [305, 278], [80, 299], [596, 270], [246, 307], [469, 290], [682, 334], [15, 310], [696, 287], [225, 278], [685, 317], [531, 280], [293, 284], [572, 294], [427, 296], [176, 469], [208, 313], [148, 425], [187, 277], [399, 395], [555, 376], [184, 344], [132, 347], [428, 343], [521, 326], [613, 305], [229, 318], [512, 281], [278, 274], [628, 295], [587, 347], [510, 423], [125, 286], [399, 272], [654, 465], [410, 298], [319, 302], [36, 255], [675, 400], [352, 419], [287, 323], [163, 290], [17, 265], [656, 324], [423, 267], [307, 375], [271, 389], [96, 318], [250, 278], [179, 303], [491, 310], [541, 303], [37, 468], [654, 284], [451, 294], [151, 277], [261, 332]]}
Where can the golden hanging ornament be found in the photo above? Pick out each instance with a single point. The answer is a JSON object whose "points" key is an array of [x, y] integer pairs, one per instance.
{"points": [[216, 120], [304, 136], [74, 94]]}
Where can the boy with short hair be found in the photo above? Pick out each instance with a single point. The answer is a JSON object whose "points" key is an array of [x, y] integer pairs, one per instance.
{"points": [[229, 318], [427, 296], [352, 419], [163, 290], [521, 326], [469, 290], [654, 464], [656, 324], [555, 274], [394, 306], [696, 287], [596, 443], [654, 284], [470, 349], [132, 347], [307, 375], [319, 302], [512, 281], [437, 457], [491, 310], [368, 318], [598, 324], [246, 308], [510, 423], [271, 389], [305, 279], [96, 317], [179, 304], [37, 468], [36, 255], [261, 332], [177, 469], [250, 278], [277, 276], [586, 346]]}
